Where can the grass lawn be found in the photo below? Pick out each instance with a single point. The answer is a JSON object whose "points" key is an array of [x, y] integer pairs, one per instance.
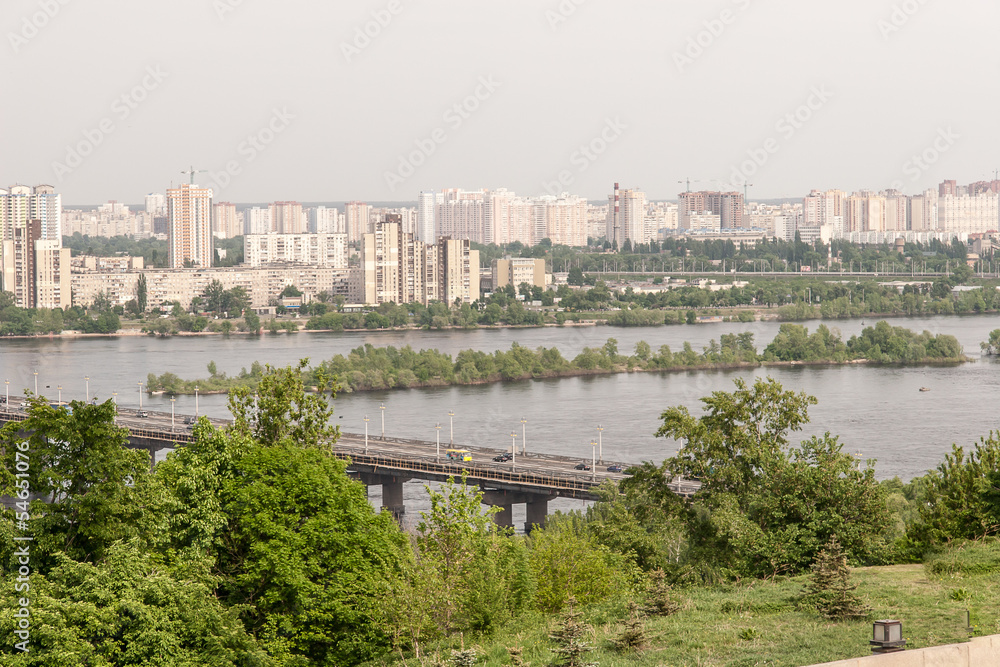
{"points": [[757, 623]]}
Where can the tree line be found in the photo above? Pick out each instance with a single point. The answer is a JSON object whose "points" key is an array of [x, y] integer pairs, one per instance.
{"points": [[371, 368]]}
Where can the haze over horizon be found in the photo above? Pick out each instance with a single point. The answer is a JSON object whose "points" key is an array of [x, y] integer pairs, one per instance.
{"points": [[296, 102]]}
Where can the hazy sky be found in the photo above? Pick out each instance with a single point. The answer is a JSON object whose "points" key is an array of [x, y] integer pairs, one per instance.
{"points": [[291, 100]]}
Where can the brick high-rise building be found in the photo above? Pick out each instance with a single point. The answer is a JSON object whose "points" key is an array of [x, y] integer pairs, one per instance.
{"points": [[189, 235]]}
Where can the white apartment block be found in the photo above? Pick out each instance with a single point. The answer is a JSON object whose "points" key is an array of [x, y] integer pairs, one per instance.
{"points": [[257, 220], [517, 270], [53, 279], [156, 203], [325, 250], [427, 225], [21, 203], [323, 220], [562, 219], [166, 286], [969, 214], [101, 222]]}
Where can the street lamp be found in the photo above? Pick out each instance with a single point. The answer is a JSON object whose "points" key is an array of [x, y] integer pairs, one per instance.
{"points": [[173, 399], [513, 451], [451, 424], [59, 389], [196, 401], [36, 384], [381, 406], [6, 400], [438, 427], [524, 439], [140, 394], [600, 441], [87, 379], [593, 462], [366, 434]]}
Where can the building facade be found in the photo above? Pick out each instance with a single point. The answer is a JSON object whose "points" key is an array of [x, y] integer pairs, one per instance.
{"points": [[189, 236], [325, 250]]}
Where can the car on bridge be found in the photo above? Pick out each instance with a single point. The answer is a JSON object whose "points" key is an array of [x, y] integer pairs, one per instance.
{"points": [[616, 467], [503, 458], [582, 466], [142, 414]]}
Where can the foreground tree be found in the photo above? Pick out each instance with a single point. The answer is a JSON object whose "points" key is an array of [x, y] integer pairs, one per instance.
{"points": [[298, 548], [765, 507]]}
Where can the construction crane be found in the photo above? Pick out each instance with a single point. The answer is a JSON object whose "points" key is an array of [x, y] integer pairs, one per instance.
{"points": [[194, 171], [688, 181]]}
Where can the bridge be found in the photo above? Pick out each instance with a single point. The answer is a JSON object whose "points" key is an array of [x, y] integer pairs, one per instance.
{"points": [[531, 478]]}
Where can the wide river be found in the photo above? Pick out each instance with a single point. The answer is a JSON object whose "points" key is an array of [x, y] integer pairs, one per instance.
{"points": [[878, 412]]}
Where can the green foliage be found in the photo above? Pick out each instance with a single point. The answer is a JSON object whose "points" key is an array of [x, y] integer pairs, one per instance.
{"points": [[992, 345], [569, 637], [568, 563], [830, 589], [659, 596], [93, 490], [126, 610], [632, 638], [960, 498], [766, 508]]}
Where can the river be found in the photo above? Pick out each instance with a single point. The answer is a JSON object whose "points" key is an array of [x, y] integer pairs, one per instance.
{"points": [[878, 412]]}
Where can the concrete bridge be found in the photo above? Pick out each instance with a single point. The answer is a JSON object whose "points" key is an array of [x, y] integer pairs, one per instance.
{"points": [[529, 478]]}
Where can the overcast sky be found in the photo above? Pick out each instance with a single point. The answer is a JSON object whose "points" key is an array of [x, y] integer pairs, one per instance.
{"points": [[111, 99]]}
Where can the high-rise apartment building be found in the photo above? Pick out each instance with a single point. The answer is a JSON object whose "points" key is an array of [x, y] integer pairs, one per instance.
{"points": [[21, 203], [257, 220], [357, 217], [227, 222], [189, 236], [397, 268], [287, 218], [517, 270], [156, 203], [323, 220], [562, 219], [626, 217], [427, 226]]}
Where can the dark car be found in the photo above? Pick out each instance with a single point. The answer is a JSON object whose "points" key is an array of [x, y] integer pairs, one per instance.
{"points": [[582, 466], [502, 458], [614, 467]]}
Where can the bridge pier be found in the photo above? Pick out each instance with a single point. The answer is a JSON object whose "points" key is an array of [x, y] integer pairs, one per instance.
{"points": [[392, 492], [537, 507]]}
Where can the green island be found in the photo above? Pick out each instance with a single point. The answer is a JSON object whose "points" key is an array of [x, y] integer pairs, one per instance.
{"points": [[370, 368], [251, 545]]}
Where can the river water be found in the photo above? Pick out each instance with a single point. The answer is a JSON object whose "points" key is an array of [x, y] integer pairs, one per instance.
{"points": [[878, 412]]}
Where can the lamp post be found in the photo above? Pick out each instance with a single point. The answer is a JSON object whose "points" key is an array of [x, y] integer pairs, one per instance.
{"points": [[173, 400], [381, 406], [524, 438], [366, 434], [593, 461], [600, 441], [36, 383], [87, 380], [196, 401], [451, 425], [438, 428], [59, 389], [140, 394], [6, 400], [513, 450]]}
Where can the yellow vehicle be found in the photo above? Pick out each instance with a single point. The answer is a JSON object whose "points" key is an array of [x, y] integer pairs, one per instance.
{"points": [[459, 455]]}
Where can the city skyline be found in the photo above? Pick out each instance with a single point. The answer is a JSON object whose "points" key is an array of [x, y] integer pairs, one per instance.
{"points": [[719, 94]]}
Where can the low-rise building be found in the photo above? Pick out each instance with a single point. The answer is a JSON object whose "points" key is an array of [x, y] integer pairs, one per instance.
{"points": [[517, 270]]}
